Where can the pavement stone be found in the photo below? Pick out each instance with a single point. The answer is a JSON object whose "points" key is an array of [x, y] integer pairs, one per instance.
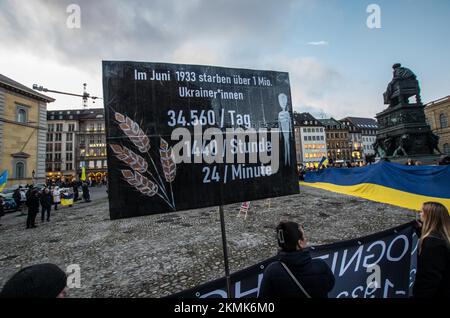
{"points": [[155, 256]]}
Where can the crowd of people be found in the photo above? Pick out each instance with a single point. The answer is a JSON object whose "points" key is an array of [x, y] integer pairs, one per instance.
{"points": [[302, 170], [295, 274], [33, 198]]}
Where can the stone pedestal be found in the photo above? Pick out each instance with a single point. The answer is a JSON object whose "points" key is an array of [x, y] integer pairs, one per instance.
{"points": [[404, 133]]}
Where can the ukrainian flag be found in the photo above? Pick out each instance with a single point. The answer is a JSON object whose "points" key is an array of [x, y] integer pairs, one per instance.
{"points": [[3, 180], [323, 162], [392, 183], [66, 199]]}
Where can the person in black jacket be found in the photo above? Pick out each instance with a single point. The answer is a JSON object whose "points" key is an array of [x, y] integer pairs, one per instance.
{"points": [[433, 263], [33, 207], [46, 204], [314, 276]]}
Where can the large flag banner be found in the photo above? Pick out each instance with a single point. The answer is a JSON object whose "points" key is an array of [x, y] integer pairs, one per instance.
{"points": [[392, 183], [3, 180], [182, 137], [392, 253]]}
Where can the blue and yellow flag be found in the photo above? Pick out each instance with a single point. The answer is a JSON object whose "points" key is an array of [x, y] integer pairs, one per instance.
{"points": [[66, 199], [3, 180], [323, 162], [392, 183]]}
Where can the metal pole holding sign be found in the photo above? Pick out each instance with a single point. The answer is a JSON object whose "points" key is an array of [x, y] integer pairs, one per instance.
{"points": [[225, 251]]}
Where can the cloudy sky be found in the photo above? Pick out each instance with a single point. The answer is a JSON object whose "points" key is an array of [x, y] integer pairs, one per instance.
{"points": [[338, 66]]}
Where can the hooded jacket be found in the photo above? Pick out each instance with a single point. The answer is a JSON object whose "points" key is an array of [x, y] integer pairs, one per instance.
{"points": [[314, 275]]}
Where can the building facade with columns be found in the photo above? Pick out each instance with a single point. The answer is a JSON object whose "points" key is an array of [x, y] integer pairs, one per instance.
{"points": [[438, 117], [23, 131]]}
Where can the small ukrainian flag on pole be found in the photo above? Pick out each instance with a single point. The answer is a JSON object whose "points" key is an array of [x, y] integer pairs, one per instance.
{"points": [[83, 174], [323, 162], [3, 180], [67, 199]]}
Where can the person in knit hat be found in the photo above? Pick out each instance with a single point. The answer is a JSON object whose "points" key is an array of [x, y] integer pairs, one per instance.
{"points": [[37, 281]]}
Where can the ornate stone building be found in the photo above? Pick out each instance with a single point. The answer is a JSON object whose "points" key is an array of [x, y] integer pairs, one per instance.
{"points": [[338, 143], [438, 117], [369, 128], [23, 127], [76, 138]]}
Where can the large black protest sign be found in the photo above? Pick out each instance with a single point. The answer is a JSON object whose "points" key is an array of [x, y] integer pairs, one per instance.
{"points": [[182, 136], [394, 253]]}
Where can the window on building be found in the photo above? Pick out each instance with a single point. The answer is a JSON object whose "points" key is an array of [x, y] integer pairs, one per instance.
{"points": [[100, 127], [105, 164], [304, 130], [57, 167], [69, 166], [49, 147], [51, 127], [447, 149], [58, 137], [72, 127], [82, 139], [20, 170], [91, 139], [91, 127], [59, 127], [49, 157], [49, 137], [48, 167], [69, 147], [69, 137], [57, 147], [91, 164], [57, 156], [443, 120], [100, 139], [22, 114], [305, 138], [69, 156]]}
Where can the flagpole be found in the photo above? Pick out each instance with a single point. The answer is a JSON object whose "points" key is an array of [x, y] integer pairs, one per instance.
{"points": [[225, 252]]}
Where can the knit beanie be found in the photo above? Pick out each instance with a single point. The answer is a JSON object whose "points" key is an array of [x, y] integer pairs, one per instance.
{"points": [[37, 281]]}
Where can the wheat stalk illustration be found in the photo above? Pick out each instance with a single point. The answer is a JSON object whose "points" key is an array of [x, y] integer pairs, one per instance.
{"points": [[133, 160], [167, 161], [140, 166], [141, 183], [134, 132]]}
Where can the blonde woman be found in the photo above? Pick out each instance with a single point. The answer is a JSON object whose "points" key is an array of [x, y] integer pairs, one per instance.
{"points": [[433, 264]]}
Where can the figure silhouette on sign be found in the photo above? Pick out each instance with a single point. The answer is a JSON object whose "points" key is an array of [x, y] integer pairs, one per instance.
{"points": [[285, 126]]}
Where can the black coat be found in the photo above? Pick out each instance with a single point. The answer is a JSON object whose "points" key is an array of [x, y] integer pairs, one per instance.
{"points": [[433, 269], [33, 200], [314, 275], [46, 200]]}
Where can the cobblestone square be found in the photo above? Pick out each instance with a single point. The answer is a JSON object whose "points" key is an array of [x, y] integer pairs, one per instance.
{"points": [[156, 256]]}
